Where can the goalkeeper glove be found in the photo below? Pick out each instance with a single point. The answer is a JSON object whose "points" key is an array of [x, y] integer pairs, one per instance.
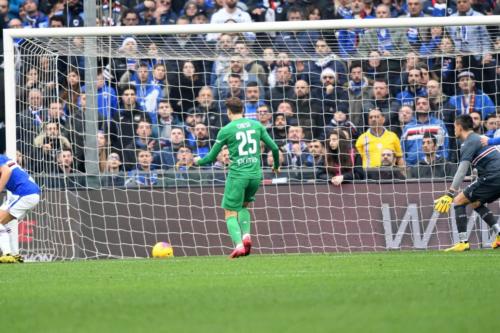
{"points": [[442, 204]]}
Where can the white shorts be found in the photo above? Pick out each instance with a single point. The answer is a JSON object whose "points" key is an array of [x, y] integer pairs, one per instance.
{"points": [[18, 206]]}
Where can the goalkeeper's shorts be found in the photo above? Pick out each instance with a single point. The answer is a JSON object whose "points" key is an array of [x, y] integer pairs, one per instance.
{"points": [[484, 189], [238, 191]]}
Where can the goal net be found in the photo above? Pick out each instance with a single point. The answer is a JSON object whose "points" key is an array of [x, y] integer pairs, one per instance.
{"points": [[108, 120]]}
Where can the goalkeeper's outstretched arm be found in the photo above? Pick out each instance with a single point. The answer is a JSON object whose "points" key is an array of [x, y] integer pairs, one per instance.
{"points": [[463, 167], [443, 203], [274, 148], [211, 156]]}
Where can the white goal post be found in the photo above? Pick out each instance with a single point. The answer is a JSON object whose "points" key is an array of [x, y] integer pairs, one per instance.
{"points": [[301, 216]]}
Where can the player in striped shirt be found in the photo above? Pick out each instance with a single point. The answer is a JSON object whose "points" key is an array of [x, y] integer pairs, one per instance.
{"points": [[484, 190], [23, 194]]}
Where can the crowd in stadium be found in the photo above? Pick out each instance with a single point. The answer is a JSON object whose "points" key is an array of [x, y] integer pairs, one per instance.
{"points": [[362, 101]]}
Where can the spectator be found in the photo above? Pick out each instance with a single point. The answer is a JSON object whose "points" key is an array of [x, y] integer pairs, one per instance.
{"points": [[158, 89], [375, 68], [285, 6], [184, 161], [140, 79], [298, 43], [341, 120], [491, 125], [477, 122], [107, 98], [113, 175], [102, 150], [470, 97], [146, 12], [431, 166], [287, 109], [252, 100], [30, 120], [233, 89], [176, 140], [143, 140], [208, 109], [316, 156], [34, 18], [127, 61], [223, 49], [72, 177], [332, 97], [413, 89], [129, 18], [431, 45], [357, 89], [439, 8], [48, 143], [296, 148], [416, 36], [309, 113], [342, 163], [265, 117], [270, 159], [222, 161], [164, 13], [379, 99], [72, 90], [230, 12], [57, 22], [283, 88], [470, 39], [371, 143], [73, 13], [388, 42], [236, 67], [326, 59], [144, 174], [4, 14], [279, 130], [166, 121], [185, 87], [438, 101], [444, 65], [72, 127], [423, 122], [202, 145], [122, 127], [405, 116], [387, 170], [251, 64]]}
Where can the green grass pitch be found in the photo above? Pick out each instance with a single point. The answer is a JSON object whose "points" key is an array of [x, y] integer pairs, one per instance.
{"points": [[375, 292]]}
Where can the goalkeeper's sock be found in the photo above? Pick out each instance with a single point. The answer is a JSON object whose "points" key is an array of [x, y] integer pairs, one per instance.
{"points": [[461, 217], [234, 230], [4, 240], [488, 217], [244, 218]]}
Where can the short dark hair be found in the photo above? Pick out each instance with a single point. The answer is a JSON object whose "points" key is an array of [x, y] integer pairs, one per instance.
{"points": [[491, 115], [431, 136], [252, 84], [465, 121], [234, 104], [57, 18], [235, 75], [478, 112], [355, 64]]}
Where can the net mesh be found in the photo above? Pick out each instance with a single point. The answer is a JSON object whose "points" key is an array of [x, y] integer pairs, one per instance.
{"points": [[326, 97]]}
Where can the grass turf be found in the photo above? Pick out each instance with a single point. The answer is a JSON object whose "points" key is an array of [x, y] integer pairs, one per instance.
{"points": [[376, 292]]}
